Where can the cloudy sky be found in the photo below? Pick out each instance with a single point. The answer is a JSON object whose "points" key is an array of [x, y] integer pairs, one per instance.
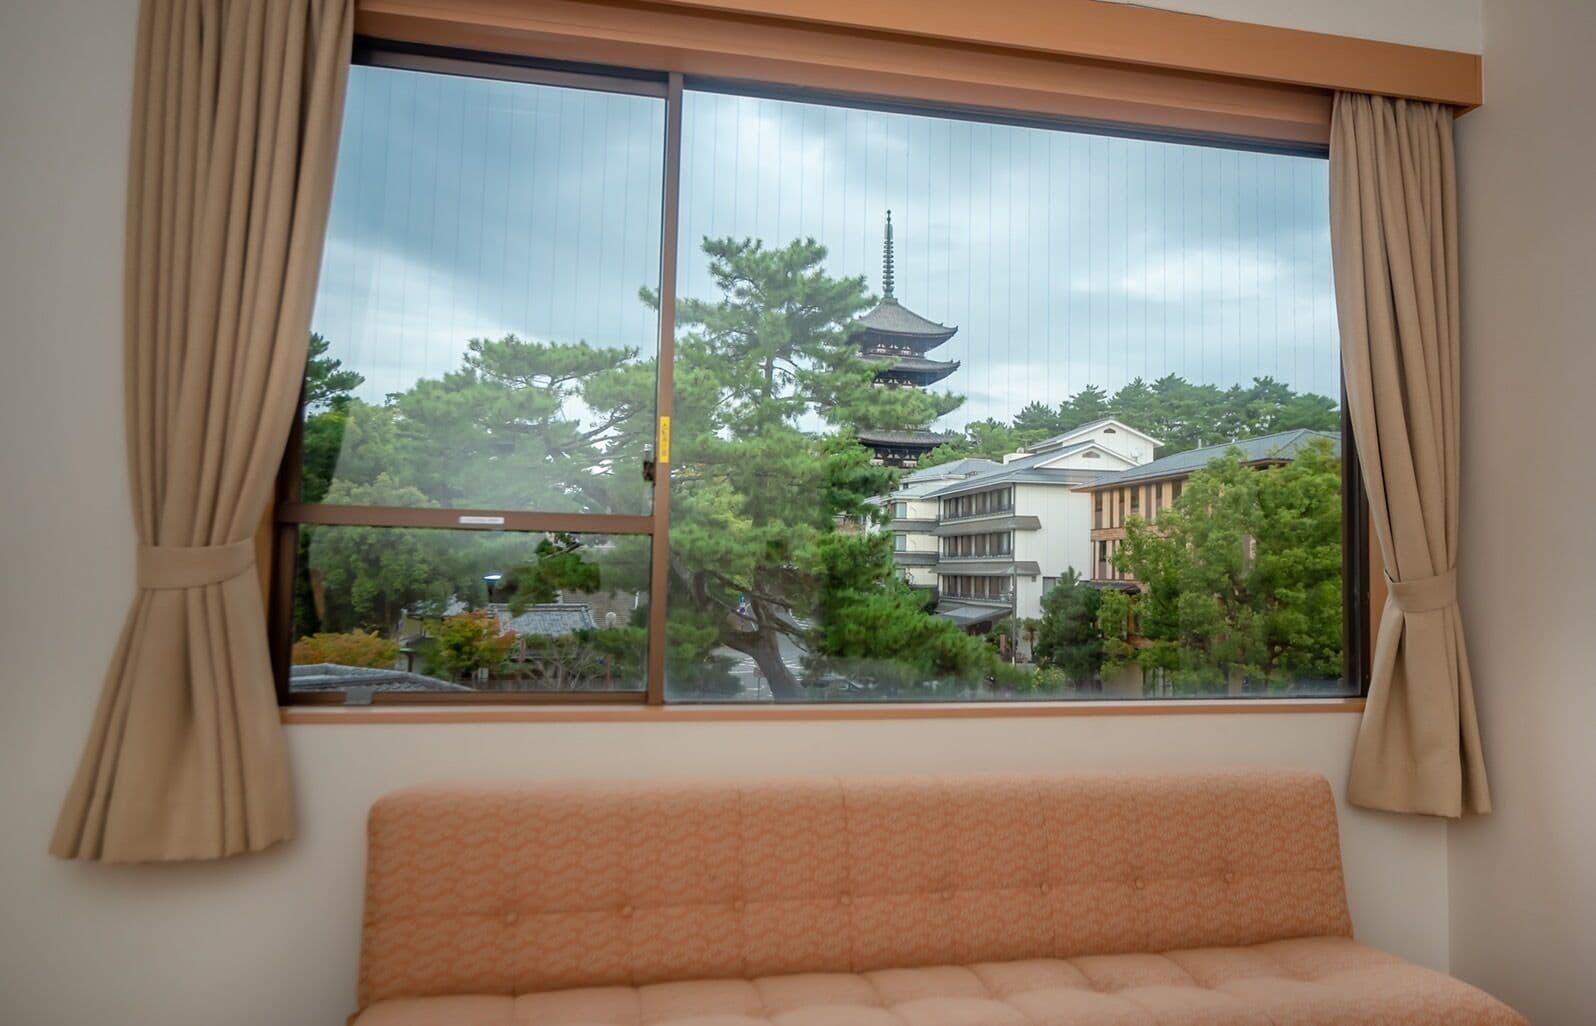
{"points": [[466, 208]]}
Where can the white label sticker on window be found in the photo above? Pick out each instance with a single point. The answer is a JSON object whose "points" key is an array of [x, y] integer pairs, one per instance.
{"points": [[466, 518]]}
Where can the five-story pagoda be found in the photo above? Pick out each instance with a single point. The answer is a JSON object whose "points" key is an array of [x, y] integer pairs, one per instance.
{"points": [[897, 339]]}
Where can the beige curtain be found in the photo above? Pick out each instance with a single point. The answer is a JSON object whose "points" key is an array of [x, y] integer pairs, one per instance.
{"points": [[236, 108], [1393, 227]]}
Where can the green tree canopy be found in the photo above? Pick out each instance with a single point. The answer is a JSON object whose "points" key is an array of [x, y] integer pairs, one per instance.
{"points": [[1175, 411], [759, 487], [1067, 635], [1241, 577]]}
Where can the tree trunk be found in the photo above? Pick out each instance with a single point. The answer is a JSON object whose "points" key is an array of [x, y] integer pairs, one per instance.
{"points": [[763, 649]]}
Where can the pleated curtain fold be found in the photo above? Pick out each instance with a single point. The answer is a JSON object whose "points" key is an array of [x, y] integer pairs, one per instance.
{"points": [[1393, 223], [236, 112]]}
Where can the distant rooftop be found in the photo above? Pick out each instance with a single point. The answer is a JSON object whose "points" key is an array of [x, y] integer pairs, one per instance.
{"points": [[549, 619], [312, 677], [954, 469], [1026, 470], [546, 619], [1058, 440], [1038, 458], [1013, 474], [1283, 445]]}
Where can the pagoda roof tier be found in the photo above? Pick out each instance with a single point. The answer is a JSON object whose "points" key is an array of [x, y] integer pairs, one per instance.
{"points": [[888, 439], [915, 369], [903, 326]]}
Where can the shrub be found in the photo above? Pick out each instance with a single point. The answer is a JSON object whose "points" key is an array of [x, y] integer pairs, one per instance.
{"points": [[468, 642], [355, 648]]}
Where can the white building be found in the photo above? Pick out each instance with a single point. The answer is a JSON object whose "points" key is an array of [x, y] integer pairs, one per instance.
{"points": [[914, 517], [1003, 534]]}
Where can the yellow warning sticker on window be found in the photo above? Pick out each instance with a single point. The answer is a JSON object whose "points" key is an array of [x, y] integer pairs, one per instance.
{"points": [[664, 440]]}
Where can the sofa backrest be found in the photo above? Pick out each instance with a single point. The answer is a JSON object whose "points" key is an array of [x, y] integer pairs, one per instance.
{"points": [[520, 889]]}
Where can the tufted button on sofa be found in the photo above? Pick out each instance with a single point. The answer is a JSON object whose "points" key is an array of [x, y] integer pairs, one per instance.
{"points": [[1197, 900]]}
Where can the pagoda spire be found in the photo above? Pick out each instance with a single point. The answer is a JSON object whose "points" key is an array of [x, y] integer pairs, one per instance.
{"points": [[886, 261]]}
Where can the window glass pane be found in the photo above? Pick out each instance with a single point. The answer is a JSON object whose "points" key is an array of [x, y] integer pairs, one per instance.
{"points": [[419, 610], [1049, 314], [480, 336]]}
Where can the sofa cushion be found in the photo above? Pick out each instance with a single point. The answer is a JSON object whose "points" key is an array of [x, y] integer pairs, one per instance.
{"points": [[520, 889], [1317, 981]]}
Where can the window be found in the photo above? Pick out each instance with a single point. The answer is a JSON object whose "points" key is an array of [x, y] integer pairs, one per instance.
{"points": [[469, 507], [978, 504], [993, 543], [982, 588], [484, 500]]}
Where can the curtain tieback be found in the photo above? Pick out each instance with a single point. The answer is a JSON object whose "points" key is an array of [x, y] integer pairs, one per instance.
{"points": [[176, 566], [1424, 594]]}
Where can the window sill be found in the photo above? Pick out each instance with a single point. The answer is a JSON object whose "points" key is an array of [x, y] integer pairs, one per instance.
{"points": [[311, 715]]}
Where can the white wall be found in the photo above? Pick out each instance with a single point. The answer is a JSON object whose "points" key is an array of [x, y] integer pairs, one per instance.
{"points": [[1524, 879], [272, 939], [1064, 540], [1443, 24]]}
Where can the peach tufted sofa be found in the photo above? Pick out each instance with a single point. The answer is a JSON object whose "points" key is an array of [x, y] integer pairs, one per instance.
{"points": [[1194, 900]]}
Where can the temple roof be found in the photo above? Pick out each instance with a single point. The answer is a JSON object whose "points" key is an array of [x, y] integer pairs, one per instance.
{"points": [[903, 439], [917, 367], [893, 318]]}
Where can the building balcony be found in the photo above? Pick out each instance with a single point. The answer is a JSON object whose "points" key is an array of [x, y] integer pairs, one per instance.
{"points": [[1003, 602], [911, 558], [988, 566], [912, 525], [983, 523]]}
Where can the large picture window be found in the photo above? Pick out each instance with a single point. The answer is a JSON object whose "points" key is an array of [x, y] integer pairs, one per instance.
{"points": [[627, 389]]}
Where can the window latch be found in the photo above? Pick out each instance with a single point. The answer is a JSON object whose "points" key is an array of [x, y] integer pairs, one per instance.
{"points": [[648, 464]]}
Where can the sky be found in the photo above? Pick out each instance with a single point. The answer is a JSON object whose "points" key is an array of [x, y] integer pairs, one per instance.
{"points": [[466, 208]]}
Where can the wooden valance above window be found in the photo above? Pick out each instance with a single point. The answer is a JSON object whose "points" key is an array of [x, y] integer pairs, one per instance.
{"points": [[1145, 69]]}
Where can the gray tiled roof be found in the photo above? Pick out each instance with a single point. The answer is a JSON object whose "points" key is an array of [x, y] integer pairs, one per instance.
{"points": [[886, 437], [894, 318], [550, 620], [314, 677], [1018, 472], [1282, 445], [953, 469], [913, 363]]}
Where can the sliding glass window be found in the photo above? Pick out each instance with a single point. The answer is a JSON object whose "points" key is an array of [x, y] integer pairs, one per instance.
{"points": [[946, 408], [471, 487]]}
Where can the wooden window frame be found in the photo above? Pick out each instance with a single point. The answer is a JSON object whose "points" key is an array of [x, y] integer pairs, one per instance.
{"points": [[289, 514]]}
